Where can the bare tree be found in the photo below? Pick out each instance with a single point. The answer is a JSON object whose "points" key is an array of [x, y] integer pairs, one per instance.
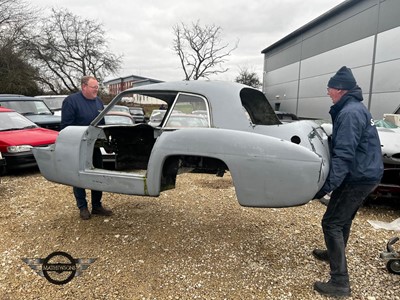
{"points": [[69, 47], [15, 16], [17, 76], [200, 50], [248, 77]]}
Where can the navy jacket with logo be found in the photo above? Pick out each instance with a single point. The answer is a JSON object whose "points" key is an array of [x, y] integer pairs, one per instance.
{"points": [[356, 156]]}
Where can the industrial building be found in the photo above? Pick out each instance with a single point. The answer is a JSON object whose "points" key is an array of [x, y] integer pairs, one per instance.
{"points": [[363, 35], [116, 85]]}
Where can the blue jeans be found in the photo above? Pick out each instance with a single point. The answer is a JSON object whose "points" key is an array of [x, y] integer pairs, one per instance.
{"points": [[336, 222], [80, 193]]}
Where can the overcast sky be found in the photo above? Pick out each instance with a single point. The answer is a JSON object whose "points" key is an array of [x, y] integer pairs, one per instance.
{"points": [[141, 30]]}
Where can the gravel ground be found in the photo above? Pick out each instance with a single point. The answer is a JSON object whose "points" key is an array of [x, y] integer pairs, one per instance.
{"points": [[193, 242]]}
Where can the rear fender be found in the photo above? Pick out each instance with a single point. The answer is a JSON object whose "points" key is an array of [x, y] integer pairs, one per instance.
{"points": [[266, 171]]}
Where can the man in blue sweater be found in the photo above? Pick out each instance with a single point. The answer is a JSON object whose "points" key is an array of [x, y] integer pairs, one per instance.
{"points": [[80, 109], [356, 169]]}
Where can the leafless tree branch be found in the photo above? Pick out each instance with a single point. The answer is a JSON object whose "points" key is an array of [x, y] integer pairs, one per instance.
{"points": [[200, 50], [69, 47]]}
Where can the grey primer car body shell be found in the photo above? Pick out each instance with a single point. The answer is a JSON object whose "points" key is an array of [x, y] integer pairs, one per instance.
{"points": [[277, 165]]}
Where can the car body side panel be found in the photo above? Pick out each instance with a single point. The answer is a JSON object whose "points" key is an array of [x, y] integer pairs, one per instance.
{"points": [[72, 164], [257, 164], [307, 133], [114, 182], [62, 165]]}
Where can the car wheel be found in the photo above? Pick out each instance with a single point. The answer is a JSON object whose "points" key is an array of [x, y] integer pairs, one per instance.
{"points": [[393, 266]]}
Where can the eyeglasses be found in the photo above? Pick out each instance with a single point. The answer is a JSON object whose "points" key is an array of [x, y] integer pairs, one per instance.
{"points": [[95, 87]]}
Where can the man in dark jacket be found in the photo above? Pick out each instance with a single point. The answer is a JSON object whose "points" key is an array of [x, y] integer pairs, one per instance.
{"points": [[356, 169], [80, 109]]}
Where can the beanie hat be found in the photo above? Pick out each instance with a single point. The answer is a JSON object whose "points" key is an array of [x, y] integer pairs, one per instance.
{"points": [[342, 80]]}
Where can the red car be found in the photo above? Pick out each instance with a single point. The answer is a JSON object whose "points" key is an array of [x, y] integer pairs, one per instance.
{"points": [[17, 137]]}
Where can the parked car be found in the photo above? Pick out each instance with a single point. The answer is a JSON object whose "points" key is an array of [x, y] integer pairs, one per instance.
{"points": [[118, 118], [390, 142], [389, 187], [54, 102], [186, 120], [200, 112], [156, 117], [122, 108], [33, 108], [271, 164], [17, 137], [137, 113]]}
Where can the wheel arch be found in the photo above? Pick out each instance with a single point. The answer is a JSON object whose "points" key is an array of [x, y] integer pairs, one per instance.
{"points": [[177, 164]]}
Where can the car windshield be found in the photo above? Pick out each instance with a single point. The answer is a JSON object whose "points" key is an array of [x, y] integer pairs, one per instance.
{"points": [[54, 103], [119, 108], [14, 121], [28, 107]]}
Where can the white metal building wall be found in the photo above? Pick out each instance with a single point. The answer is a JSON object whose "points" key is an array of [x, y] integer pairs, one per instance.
{"points": [[361, 34]]}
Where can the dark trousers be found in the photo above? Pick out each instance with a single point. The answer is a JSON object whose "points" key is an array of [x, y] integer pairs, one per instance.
{"points": [[336, 222], [80, 194]]}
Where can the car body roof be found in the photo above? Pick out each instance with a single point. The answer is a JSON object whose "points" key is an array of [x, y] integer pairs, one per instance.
{"points": [[222, 96]]}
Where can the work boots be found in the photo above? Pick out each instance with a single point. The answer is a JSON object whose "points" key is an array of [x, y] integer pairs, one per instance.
{"points": [[332, 289], [321, 254], [100, 210], [84, 213]]}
